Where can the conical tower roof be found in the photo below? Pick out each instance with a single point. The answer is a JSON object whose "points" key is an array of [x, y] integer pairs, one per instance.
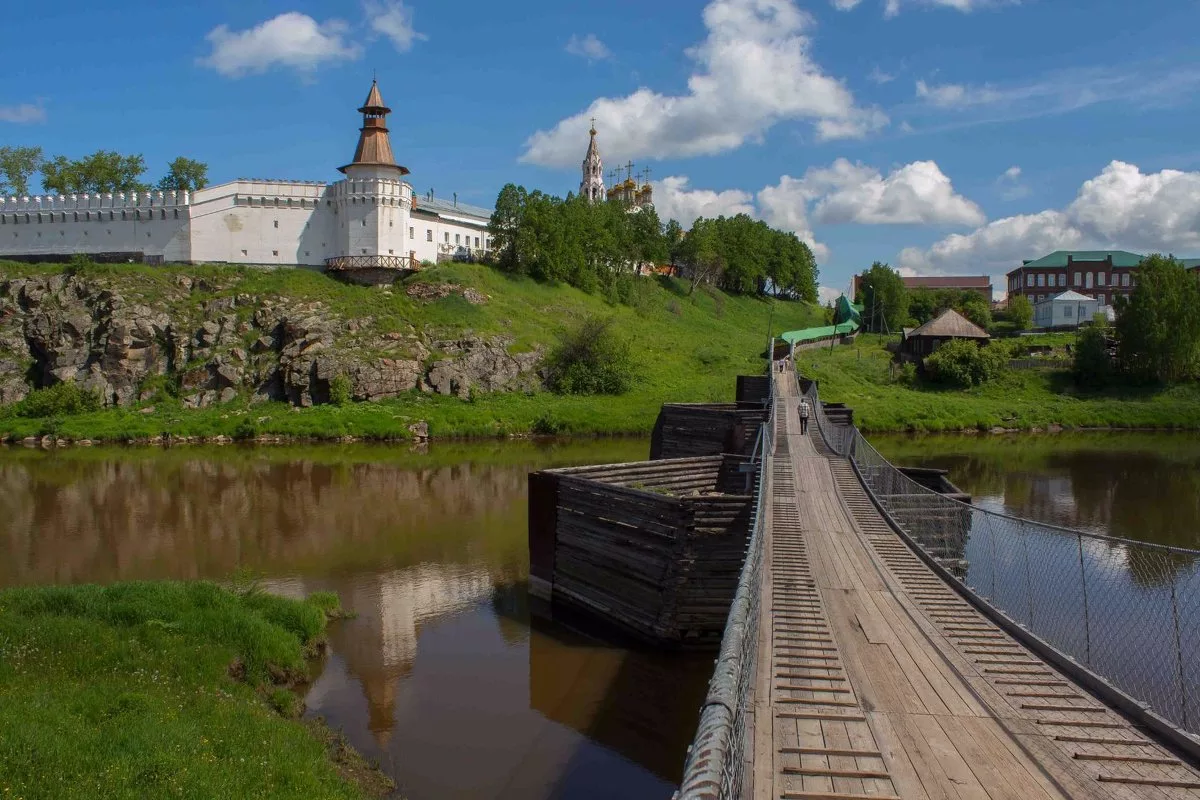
{"points": [[374, 146]]}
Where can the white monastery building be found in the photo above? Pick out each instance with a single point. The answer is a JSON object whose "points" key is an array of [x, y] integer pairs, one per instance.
{"points": [[370, 221]]}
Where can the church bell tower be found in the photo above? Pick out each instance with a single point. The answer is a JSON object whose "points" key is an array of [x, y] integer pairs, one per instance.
{"points": [[592, 185]]}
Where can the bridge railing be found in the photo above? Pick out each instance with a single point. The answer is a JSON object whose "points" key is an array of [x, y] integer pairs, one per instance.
{"points": [[1125, 613], [718, 757]]}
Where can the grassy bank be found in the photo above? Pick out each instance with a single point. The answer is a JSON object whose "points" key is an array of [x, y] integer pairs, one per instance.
{"points": [[688, 348], [163, 689], [861, 375]]}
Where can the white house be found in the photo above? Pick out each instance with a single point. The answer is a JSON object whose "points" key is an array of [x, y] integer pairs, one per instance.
{"points": [[368, 219], [1065, 310]]}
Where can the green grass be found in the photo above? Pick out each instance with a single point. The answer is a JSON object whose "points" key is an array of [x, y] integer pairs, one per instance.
{"points": [[688, 348], [860, 376], [159, 689]]}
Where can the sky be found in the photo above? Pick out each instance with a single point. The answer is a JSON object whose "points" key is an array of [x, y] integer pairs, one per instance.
{"points": [[940, 136]]}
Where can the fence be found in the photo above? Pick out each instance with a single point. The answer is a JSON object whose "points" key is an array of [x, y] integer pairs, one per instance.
{"points": [[1127, 612], [717, 758]]}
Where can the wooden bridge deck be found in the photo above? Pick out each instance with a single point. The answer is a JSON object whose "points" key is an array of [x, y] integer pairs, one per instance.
{"points": [[875, 679]]}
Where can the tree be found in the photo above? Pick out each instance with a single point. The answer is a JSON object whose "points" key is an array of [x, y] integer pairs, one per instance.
{"points": [[593, 358], [962, 362], [1093, 366], [1158, 325], [184, 175], [884, 298], [673, 237], [1020, 312], [103, 171], [978, 311], [17, 164], [505, 225], [701, 255]]}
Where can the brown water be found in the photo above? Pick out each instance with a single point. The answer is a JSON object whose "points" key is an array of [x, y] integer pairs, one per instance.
{"points": [[448, 675]]}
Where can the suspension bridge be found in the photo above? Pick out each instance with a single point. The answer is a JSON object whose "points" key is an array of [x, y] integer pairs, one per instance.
{"points": [[886, 641]]}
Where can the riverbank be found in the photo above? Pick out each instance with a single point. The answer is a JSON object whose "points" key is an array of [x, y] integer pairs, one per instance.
{"points": [[165, 688], [862, 376], [453, 351]]}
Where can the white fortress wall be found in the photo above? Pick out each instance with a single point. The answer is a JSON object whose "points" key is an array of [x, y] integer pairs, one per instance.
{"points": [[154, 223], [371, 213], [263, 222]]}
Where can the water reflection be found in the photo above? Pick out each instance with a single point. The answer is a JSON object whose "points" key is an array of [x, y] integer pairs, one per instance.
{"points": [[445, 673]]}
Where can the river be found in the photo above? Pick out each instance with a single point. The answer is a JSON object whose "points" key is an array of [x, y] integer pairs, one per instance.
{"points": [[447, 675]]}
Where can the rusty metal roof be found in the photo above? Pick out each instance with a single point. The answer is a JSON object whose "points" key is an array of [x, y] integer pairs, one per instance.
{"points": [[374, 146]]}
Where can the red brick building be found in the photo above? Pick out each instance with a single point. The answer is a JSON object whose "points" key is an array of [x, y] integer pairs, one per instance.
{"points": [[1102, 274], [968, 283]]}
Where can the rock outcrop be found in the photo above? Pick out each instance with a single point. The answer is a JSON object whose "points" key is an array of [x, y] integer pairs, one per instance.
{"points": [[213, 349]]}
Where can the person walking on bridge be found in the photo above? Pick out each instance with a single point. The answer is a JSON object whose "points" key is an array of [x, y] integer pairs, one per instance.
{"points": [[803, 416]]}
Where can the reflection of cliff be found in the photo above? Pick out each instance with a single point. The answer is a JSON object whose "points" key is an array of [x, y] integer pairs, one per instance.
{"points": [[379, 643], [187, 518]]}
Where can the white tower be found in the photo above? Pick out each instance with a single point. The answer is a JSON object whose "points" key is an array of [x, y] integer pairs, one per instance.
{"points": [[373, 201], [592, 185]]}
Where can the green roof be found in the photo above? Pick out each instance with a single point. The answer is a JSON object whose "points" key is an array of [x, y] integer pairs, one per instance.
{"points": [[1120, 258]]}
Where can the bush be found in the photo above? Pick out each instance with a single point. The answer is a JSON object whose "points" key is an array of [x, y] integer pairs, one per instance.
{"points": [[591, 359], [1093, 366], [961, 362], [58, 400], [339, 390]]}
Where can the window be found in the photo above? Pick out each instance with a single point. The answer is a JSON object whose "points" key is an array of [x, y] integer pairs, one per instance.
{"points": [[458, 238], [390, 251], [1099, 278], [429, 234], [276, 223], [477, 241], [412, 233], [364, 252], [1078, 279], [1062, 279], [1125, 279], [1041, 280], [364, 223], [1101, 298], [1067, 312], [447, 237], [1028, 279], [274, 252], [243, 252], [1088, 280]]}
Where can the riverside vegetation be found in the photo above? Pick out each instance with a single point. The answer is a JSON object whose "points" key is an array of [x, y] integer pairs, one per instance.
{"points": [[165, 689], [455, 350]]}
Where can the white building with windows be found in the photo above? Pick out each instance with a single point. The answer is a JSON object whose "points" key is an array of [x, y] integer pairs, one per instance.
{"points": [[1065, 310], [368, 220]]}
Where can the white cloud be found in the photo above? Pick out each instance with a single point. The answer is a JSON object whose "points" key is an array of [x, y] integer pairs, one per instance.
{"points": [[673, 199], [752, 71], [828, 294], [846, 5], [876, 75], [1010, 184], [291, 39], [588, 47], [1121, 208], [390, 18], [915, 194], [23, 113], [954, 95], [892, 7]]}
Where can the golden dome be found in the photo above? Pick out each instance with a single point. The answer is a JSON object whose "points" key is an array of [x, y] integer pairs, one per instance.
{"points": [[629, 184]]}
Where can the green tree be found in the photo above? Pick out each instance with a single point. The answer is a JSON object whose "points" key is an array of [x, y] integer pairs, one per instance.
{"points": [[884, 299], [17, 164], [978, 311], [505, 225], [700, 254], [185, 175], [673, 238], [102, 171], [1020, 312], [1158, 325]]}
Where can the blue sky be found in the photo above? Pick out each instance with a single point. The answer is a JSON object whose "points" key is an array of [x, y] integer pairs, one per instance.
{"points": [[942, 136]]}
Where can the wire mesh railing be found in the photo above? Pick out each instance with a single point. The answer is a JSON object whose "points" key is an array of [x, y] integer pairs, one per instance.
{"points": [[1127, 612], [717, 758]]}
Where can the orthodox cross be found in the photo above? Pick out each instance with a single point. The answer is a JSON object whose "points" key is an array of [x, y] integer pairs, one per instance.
{"points": [[629, 170]]}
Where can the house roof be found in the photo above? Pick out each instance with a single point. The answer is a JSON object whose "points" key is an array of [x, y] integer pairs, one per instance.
{"points": [[1120, 258], [443, 207], [950, 324], [1071, 296], [947, 282]]}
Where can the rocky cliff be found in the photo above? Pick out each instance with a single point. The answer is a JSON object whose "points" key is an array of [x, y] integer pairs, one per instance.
{"points": [[206, 345]]}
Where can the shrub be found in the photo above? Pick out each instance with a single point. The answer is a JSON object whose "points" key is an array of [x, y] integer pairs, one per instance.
{"points": [[339, 390], [591, 359], [961, 362], [58, 400], [1093, 366]]}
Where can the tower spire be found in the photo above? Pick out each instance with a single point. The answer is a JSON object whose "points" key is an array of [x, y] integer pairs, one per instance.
{"points": [[374, 146], [592, 184]]}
